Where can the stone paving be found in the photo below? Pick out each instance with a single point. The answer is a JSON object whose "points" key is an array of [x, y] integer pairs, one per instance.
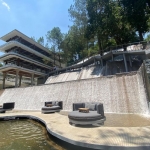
{"points": [[96, 137]]}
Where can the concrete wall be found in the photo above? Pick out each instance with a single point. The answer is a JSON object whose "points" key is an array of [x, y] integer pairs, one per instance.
{"points": [[119, 94], [93, 71]]}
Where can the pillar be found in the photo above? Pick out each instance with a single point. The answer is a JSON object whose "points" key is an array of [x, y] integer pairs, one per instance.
{"points": [[32, 79], [94, 61], [4, 77], [112, 57], [130, 61], [125, 62], [101, 62], [16, 81], [20, 77]]}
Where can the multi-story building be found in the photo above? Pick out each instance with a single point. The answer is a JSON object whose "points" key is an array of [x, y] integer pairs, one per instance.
{"points": [[25, 57]]}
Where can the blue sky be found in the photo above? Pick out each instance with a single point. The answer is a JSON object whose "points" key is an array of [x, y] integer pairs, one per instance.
{"points": [[34, 17]]}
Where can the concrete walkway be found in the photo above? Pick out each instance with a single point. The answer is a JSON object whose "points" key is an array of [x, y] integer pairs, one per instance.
{"points": [[107, 138]]}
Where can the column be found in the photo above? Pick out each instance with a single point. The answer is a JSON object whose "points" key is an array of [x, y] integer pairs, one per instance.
{"points": [[112, 57], [4, 77], [16, 81], [101, 62], [94, 61], [20, 77], [125, 62], [32, 79], [130, 61]]}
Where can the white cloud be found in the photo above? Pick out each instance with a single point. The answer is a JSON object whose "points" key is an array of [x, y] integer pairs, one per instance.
{"points": [[5, 4]]}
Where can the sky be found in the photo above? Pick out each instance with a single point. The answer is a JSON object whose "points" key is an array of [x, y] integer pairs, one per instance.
{"points": [[34, 17]]}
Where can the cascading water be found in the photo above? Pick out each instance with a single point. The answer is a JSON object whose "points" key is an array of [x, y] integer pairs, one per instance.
{"points": [[119, 93]]}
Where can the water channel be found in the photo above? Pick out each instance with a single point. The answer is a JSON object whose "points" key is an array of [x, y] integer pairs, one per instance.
{"points": [[25, 135]]}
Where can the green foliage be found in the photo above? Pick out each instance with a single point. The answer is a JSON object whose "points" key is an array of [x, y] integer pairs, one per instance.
{"points": [[77, 41], [137, 13], [55, 36], [41, 41], [92, 50], [97, 25], [148, 38], [78, 13], [106, 22], [46, 61], [1, 64], [33, 38]]}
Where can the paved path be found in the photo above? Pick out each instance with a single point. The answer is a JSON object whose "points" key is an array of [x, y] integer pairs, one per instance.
{"points": [[112, 138]]}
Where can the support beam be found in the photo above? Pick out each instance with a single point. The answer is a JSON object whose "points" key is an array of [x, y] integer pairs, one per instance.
{"points": [[20, 77], [101, 62], [94, 61], [4, 77], [130, 61], [16, 81], [32, 79], [125, 62], [112, 57]]}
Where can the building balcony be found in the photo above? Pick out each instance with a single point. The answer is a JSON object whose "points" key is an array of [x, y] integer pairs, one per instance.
{"points": [[12, 68], [12, 55], [11, 44]]}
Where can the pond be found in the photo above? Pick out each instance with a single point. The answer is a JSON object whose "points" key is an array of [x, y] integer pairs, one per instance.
{"points": [[25, 135]]}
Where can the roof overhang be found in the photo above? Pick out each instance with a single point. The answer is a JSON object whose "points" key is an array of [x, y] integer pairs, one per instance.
{"points": [[15, 55], [23, 36], [11, 69], [12, 44]]}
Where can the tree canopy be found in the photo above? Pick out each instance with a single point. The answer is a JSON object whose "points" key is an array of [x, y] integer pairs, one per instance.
{"points": [[98, 24]]}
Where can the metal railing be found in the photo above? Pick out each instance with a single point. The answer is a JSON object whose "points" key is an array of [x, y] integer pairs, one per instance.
{"points": [[143, 45], [136, 46]]}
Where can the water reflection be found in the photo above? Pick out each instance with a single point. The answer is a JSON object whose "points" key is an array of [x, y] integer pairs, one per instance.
{"points": [[25, 135]]}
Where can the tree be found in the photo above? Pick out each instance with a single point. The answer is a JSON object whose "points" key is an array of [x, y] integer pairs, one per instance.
{"points": [[33, 38], [137, 13], [1, 64], [148, 38], [97, 23], [108, 24], [41, 41], [118, 26], [72, 44], [78, 14], [65, 46], [55, 37]]}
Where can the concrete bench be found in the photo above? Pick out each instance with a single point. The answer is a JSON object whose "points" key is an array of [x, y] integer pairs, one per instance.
{"points": [[95, 114], [52, 106], [7, 106]]}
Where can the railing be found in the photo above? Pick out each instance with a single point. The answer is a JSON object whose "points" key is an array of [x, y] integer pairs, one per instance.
{"points": [[136, 46], [143, 45]]}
